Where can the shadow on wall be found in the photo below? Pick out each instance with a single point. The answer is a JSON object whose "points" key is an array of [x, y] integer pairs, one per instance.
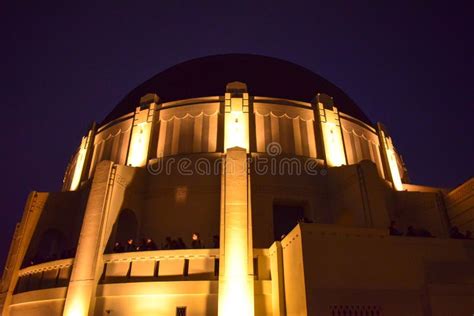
{"points": [[125, 228], [51, 246], [57, 232], [173, 211]]}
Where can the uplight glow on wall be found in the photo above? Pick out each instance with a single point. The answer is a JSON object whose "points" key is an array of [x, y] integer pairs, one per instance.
{"points": [[392, 163], [81, 158], [236, 294], [141, 132], [235, 277], [139, 145], [332, 136], [333, 144], [236, 130], [76, 310], [236, 125]]}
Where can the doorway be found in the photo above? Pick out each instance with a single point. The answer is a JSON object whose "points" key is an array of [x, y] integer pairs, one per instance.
{"points": [[285, 218]]}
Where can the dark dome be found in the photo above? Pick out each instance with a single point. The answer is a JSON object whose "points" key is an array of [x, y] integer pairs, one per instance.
{"points": [[264, 76]]}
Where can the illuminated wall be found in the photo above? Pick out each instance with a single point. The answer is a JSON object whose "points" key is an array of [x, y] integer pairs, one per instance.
{"points": [[361, 142], [459, 203], [141, 132], [81, 157], [236, 132], [290, 126], [236, 294], [391, 160], [197, 126], [326, 178], [188, 129], [86, 267], [112, 143], [231, 126], [76, 170], [332, 135]]}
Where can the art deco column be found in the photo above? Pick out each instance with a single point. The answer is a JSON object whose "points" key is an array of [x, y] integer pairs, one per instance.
{"points": [[389, 158], [142, 130], [86, 266], [330, 133], [236, 278], [107, 193], [236, 131], [84, 154], [19, 246]]}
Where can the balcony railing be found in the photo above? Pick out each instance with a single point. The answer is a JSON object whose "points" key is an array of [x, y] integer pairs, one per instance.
{"points": [[142, 266], [161, 265], [44, 275]]}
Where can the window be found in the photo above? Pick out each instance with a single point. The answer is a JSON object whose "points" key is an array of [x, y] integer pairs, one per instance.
{"points": [[181, 311]]}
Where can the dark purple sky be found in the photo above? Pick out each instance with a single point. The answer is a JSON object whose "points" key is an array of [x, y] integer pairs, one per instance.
{"points": [[63, 67]]}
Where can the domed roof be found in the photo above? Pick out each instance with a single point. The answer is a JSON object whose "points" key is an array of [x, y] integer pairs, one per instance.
{"points": [[264, 76]]}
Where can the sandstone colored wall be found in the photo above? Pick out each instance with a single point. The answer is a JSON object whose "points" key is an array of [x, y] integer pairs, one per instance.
{"points": [[460, 206], [346, 267]]}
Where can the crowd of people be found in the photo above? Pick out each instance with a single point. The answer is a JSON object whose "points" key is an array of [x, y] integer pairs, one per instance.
{"points": [[410, 232], [148, 244], [421, 232], [131, 245], [456, 234]]}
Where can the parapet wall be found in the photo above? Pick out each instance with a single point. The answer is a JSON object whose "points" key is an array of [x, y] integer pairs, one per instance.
{"points": [[140, 282], [366, 268], [460, 206]]}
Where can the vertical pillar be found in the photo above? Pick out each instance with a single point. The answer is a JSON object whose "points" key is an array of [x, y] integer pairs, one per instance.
{"points": [[278, 283], [87, 263], [330, 130], [142, 129], [81, 168], [236, 253], [236, 122], [106, 198], [389, 158], [19, 245], [236, 279]]}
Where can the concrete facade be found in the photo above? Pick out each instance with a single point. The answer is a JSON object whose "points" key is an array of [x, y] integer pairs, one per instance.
{"points": [[300, 194]]}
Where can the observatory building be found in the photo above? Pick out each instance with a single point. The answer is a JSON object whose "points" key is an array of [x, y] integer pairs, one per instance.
{"points": [[240, 185]]}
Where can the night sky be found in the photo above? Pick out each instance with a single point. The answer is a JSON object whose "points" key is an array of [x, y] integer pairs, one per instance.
{"points": [[409, 66]]}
